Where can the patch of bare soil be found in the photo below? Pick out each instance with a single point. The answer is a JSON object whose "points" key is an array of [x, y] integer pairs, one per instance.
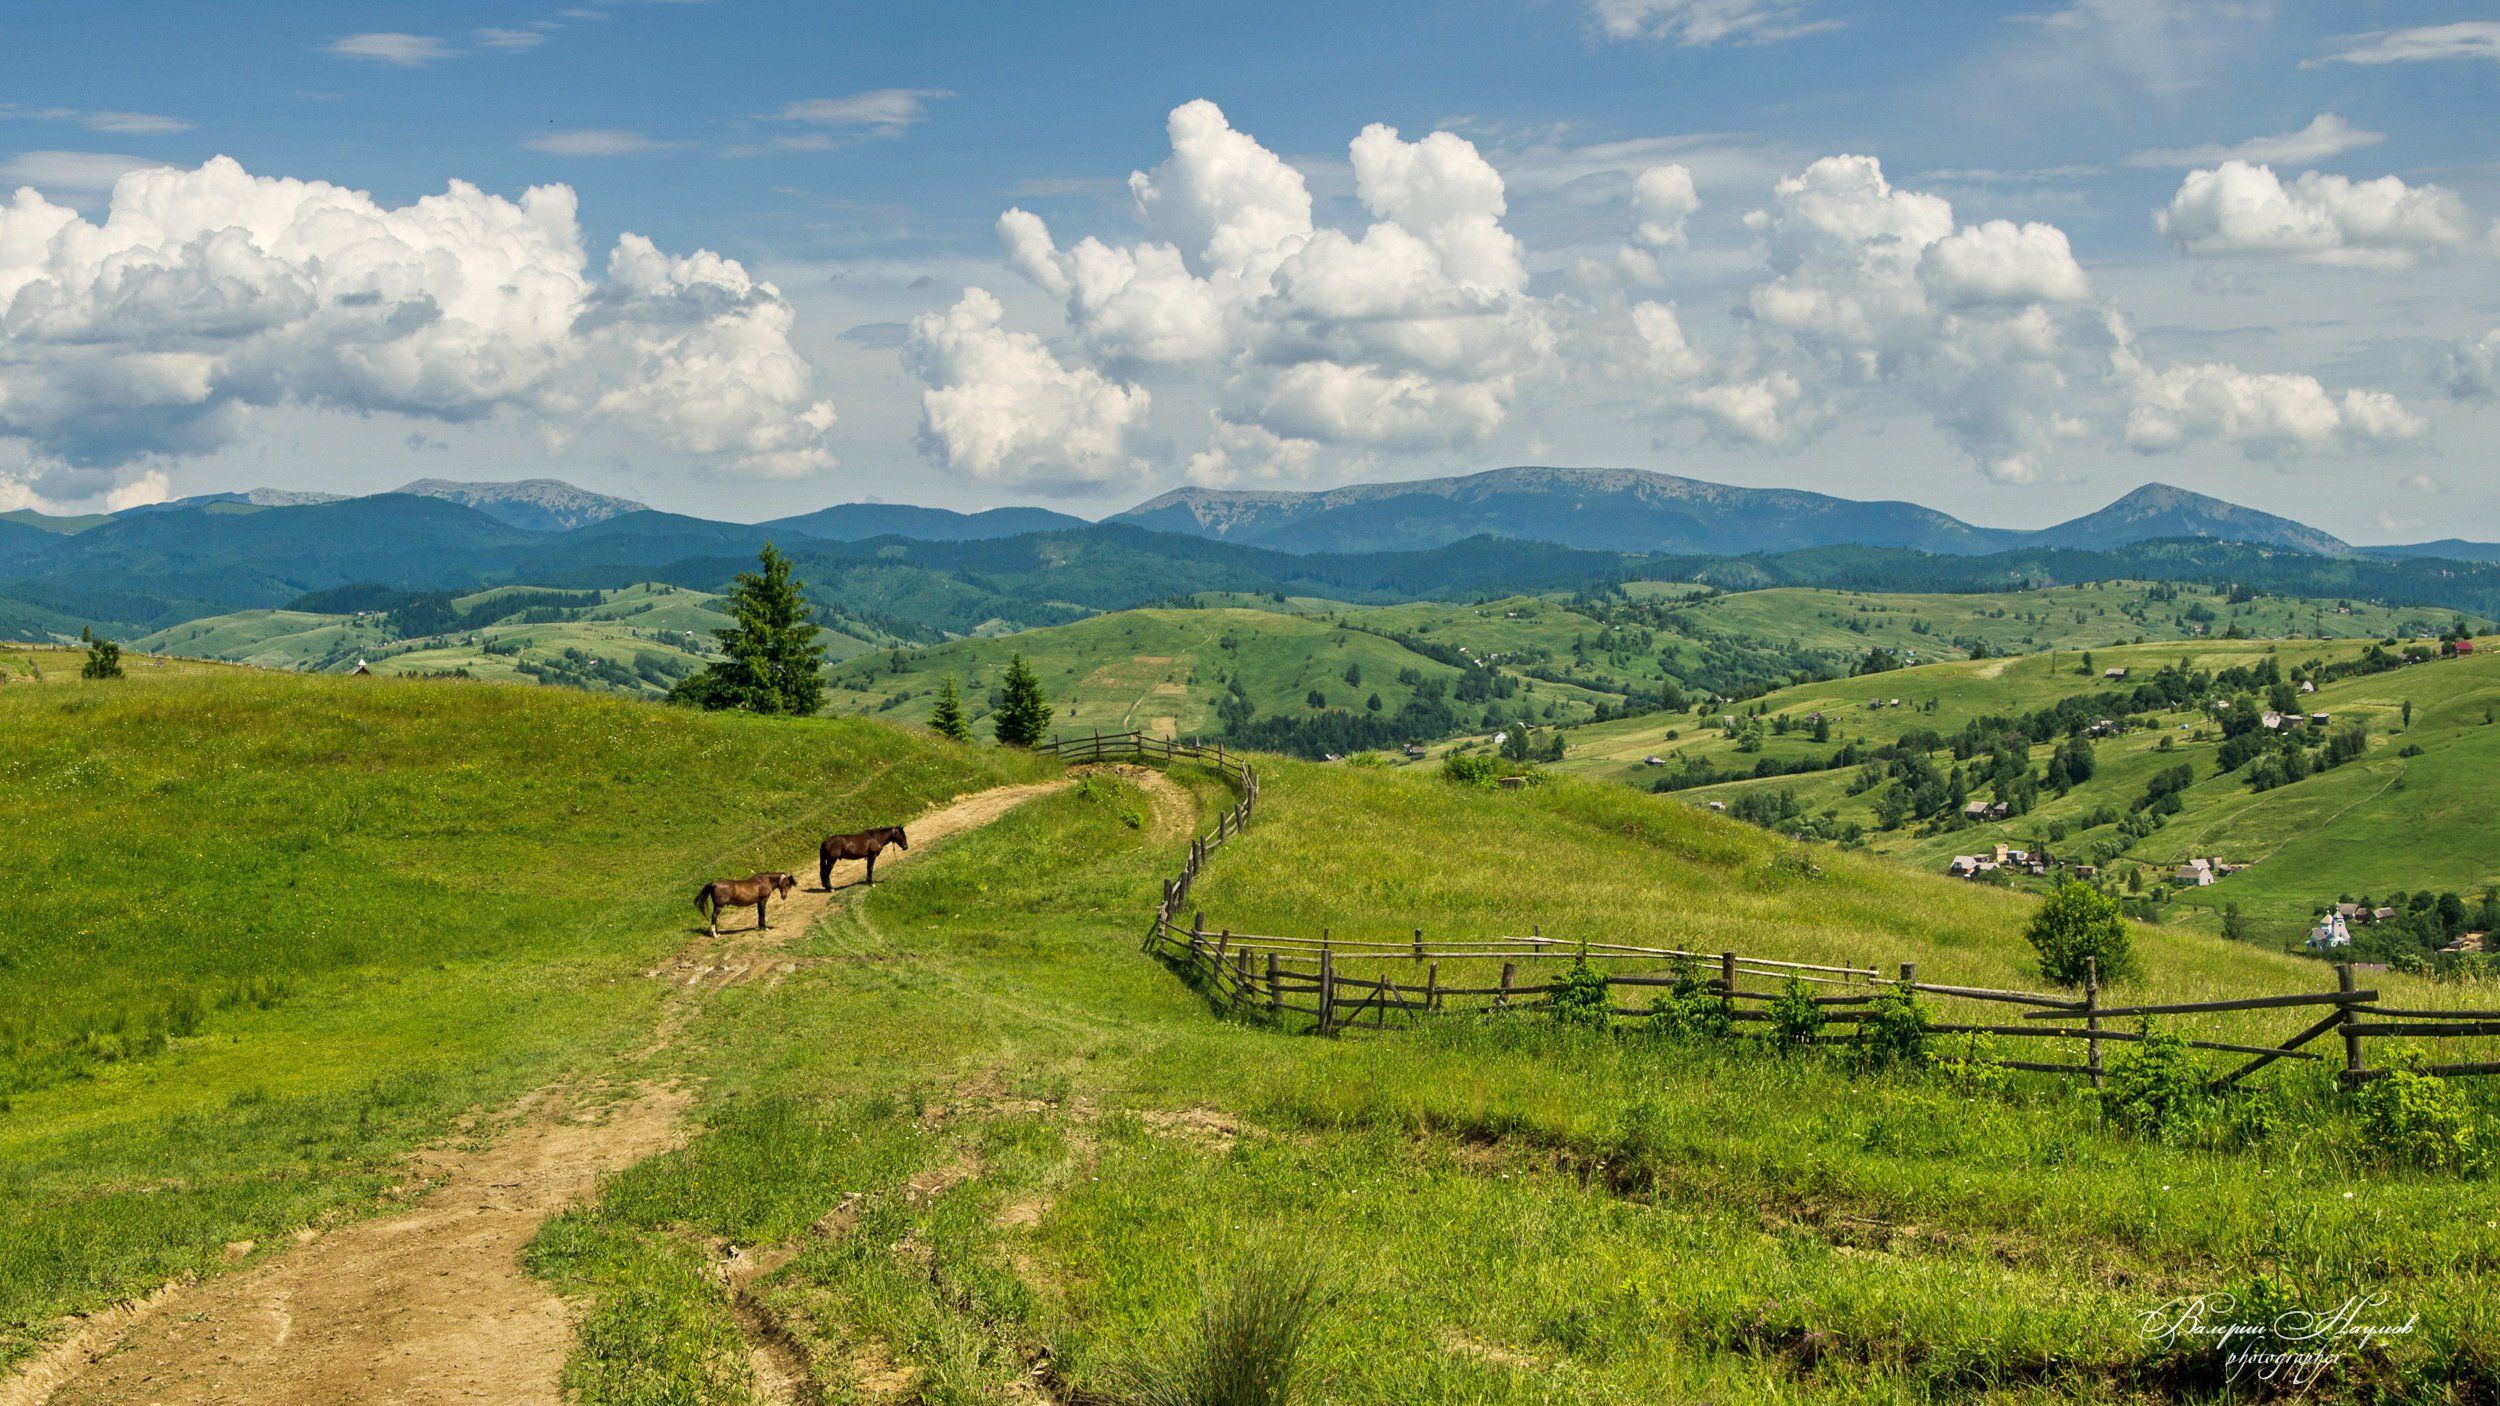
{"points": [[431, 1304], [1200, 1127]]}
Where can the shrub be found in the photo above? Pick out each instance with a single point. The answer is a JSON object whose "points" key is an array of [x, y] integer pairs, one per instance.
{"points": [[1581, 997], [1246, 1347], [1692, 1006], [1894, 1030], [1970, 1061], [104, 657], [1469, 770], [2417, 1119], [2154, 1086], [1795, 1019], [2080, 924]]}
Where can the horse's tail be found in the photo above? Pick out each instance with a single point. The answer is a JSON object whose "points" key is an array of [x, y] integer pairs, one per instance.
{"points": [[703, 900]]}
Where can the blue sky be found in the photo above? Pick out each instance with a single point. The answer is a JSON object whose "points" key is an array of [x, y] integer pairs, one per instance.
{"points": [[2009, 260]]}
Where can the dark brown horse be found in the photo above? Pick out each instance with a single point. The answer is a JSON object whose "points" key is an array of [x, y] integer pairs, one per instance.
{"points": [[867, 844], [753, 891]]}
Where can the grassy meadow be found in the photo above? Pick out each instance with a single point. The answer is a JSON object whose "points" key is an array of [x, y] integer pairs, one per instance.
{"points": [[269, 931], [977, 1148], [983, 1147]]}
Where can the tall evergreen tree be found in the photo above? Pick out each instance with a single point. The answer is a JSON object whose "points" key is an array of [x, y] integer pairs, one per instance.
{"points": [[948, 717], [774, 655], [1023, 714]]}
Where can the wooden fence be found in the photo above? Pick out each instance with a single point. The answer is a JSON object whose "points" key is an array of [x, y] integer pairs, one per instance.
{"points": [[1343, 985]]}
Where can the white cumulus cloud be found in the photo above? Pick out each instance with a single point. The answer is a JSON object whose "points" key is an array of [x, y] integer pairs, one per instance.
{"points": [[203, 294], [2263, 414], [2239, 208], [1002, 408]]}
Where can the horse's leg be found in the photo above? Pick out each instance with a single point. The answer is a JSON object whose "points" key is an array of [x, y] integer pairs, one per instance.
{"points": [[711, 920], [761, 922], [872, 868]]}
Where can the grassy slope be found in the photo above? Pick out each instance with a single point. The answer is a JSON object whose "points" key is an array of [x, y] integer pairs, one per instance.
{"points": [[1162, 670], [2384, 822], [1847, 623], [381, 902], [1043, 1143], [671, 622]]}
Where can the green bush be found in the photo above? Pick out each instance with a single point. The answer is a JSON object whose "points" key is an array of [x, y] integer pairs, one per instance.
{"points": [[1470, 770], [1581, 997], [1692, 1006], [2419, 1120], [1971, 1062], [2077, 926], [1894, 1031], [2154, 1087], [1795, 1019]]}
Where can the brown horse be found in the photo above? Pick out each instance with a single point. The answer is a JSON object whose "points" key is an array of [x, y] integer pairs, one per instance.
{"points": [[753, 891], [867, 844]]}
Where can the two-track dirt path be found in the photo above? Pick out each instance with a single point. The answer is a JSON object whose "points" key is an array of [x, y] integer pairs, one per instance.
{"points": [[431, 1304]]}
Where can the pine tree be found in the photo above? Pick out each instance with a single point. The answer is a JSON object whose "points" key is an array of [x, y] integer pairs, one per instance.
{"points": [[948, 718], [1023, 714], [774, 655]]}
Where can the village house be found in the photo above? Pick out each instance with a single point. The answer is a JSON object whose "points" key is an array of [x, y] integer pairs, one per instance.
{"points": [[2465, 647], [2198, 872], [2113, 673], [2317, 719], [1653, 759]]}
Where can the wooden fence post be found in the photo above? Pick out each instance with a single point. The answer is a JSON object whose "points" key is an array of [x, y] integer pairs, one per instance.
{"points": [[1509, 971], [1909, 973], [1327, 988], [1727, 982], [1275, 995], [1419, 944], [1241, 976], [2352, 1042], [2091, 1018], [1432, 987]]}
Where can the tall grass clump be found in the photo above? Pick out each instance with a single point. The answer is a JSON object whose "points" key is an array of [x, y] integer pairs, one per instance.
{"points": [[1246, 1347]]}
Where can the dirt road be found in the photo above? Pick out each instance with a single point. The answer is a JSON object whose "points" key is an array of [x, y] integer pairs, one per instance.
{"points": [[431, 1305]]}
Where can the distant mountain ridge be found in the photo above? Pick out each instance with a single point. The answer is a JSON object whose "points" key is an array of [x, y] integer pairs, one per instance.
{"points": [[1640, 510], [2158, 511], [537, 504], [857, 522]]}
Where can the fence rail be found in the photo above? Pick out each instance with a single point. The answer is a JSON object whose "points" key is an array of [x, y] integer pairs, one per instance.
{"points": [[1305, 976]]}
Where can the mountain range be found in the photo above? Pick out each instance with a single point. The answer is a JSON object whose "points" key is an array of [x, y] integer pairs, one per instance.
{"points": [[1637, 510], [931, 569]]}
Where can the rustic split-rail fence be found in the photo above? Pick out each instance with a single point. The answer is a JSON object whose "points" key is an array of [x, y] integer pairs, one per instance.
{"points": [[1342, 985]]}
